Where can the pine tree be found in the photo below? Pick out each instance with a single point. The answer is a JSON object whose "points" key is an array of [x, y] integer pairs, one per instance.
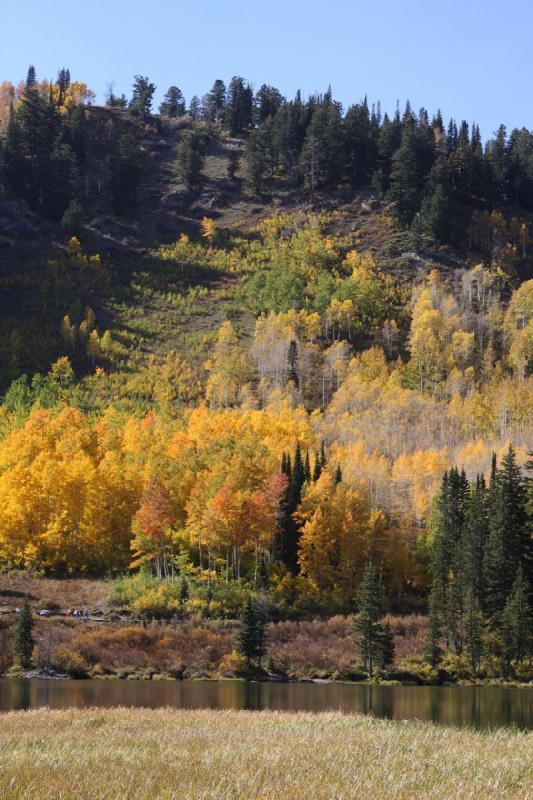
{"points": [[476, 527], [307, 467], [194, 108], [234, 161], [433, 650], [191, 160], [406, 180], [125, 173], [31, 77], [173, 104], [251, 640], [338, 474], [142, 96], [518, 618], [23, 645], [257, 159], [292, 363], [507, 544], [317, 468], [474, 626], [367, 629], [386, 649], [216, 101], [239, 106]]}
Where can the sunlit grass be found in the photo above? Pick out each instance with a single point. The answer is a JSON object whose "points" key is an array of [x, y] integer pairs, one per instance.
{"points": [[188, 755]]}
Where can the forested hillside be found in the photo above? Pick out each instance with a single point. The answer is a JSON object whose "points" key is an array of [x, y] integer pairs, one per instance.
{"points": [[251, 344]]}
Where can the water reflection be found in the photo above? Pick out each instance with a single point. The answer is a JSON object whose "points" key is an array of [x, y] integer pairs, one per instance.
{"points": [[478, 706]]}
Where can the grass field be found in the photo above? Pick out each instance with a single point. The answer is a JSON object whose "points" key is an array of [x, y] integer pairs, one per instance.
{"points": [[191, 755]]}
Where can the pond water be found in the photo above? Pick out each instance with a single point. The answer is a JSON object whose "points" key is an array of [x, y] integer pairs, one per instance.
{"points": [[476, 706]]}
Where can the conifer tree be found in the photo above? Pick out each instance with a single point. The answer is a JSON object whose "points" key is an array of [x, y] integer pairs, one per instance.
{"points": [[507, 542], [251, 640], [367, 628], [191, 160], [194, 108], [433, 650], [317, 467], [234, 161], [386, 649], [476, 527], [173, 104], [257, 159], [516, 632], [142, 96], [474, 626], [406, 180], [307, 467], [292, 363], [23, 645], [216, 101]]}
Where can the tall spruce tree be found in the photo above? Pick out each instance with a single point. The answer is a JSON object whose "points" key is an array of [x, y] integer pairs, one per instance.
{"points": [[173, 104], [433, 650], [507, 543], [23, 645], [370, 634], [251, 637], [474, 626], [142, 95]]}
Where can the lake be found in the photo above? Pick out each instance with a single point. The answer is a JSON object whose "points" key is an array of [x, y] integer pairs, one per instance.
{"points": [[476, 706]]}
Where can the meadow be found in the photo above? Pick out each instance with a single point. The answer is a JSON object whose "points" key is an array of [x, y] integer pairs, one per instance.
{"points": [[172, 755]]}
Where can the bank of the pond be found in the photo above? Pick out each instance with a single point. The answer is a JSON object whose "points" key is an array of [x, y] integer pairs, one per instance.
{"points": [[161, 754]]}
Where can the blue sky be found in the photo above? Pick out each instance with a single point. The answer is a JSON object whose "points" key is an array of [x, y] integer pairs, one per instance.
{"points": [[471, 58]]}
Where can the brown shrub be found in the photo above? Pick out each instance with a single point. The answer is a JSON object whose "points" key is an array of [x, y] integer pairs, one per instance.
{"points": [[157, 647]]}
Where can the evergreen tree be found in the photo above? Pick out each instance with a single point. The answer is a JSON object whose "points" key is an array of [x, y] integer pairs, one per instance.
{"points": [[191, 160], [173, 104], [317, 468], [239, 107], [294, 469], [251, 639], [268, 100], [474, 626], [386, 649], [516, 633], [23, 645], [433, 650], [257, 159], [216, 101], [234, 161], [142, 96], [63, 83], [367, 628], [31, 77], [476, 527], [435, 214], [508, 544], [307, 467], [194, 108], [292, 363], [125, 173]]}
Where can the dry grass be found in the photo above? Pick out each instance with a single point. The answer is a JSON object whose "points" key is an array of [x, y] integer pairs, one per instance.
{"points": [[53, 592], [128, 754]]}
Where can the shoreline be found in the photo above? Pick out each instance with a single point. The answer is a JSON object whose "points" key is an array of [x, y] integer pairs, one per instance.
{"points": [[157, 676]]}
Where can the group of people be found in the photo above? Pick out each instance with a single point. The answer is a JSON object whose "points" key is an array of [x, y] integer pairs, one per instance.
{"points": [[80, 613]]}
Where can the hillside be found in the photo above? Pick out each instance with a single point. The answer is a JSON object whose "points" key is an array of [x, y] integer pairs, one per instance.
{"points": [[232, 363]]}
